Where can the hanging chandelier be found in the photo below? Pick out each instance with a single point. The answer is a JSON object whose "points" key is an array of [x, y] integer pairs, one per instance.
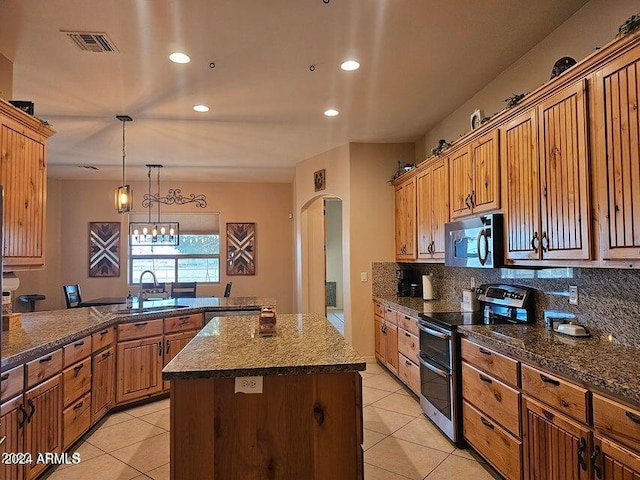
{"points": [[154, 232], [124, 194]]}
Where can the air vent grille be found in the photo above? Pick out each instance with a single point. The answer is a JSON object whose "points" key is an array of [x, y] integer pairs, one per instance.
{"points": [[98, 42]]}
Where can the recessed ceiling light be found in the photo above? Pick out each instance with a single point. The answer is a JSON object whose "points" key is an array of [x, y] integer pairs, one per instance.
{"points": [[178, 57], [350, 65], [201, 108], [332, 112]]}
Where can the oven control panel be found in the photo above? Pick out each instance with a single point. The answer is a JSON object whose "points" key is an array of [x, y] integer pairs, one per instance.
{"points": [[505, 295]]}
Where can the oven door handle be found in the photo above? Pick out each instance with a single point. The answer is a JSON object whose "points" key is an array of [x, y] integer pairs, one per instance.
{"points": [[430, 331], [435, 370]]}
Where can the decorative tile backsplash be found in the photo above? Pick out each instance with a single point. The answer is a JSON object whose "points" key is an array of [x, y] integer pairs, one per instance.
{"points": [[609, 299]]}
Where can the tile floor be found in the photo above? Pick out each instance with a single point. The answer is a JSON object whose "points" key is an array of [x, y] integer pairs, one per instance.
{"points": [[400, 443], [336, 318]]}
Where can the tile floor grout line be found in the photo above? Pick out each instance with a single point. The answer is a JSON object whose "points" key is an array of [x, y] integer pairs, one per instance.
{"points": [[387, 470]]}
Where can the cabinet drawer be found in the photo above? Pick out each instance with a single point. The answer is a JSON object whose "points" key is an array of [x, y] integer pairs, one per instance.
{"points": [[408, 344], [494, 443], [44, 367], [408, 323], [378, 309], [409, 373], [496, 399], [102, 339], [12, 382], [182, 323], [617, 421], [133, 330], [560, 394], [499, 366], [76, 351], [390, 315], [76, 381], [76, 420]]}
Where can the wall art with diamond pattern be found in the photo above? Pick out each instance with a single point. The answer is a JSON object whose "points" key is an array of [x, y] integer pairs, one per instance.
{"points": [[104, 249], [241, 248]]}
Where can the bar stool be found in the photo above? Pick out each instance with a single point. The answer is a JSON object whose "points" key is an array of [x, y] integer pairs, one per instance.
{"points": [[31, 299]]}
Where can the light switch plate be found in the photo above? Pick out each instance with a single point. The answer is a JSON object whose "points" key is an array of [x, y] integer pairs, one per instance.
{"points": [[363, 276], [573, 294]]}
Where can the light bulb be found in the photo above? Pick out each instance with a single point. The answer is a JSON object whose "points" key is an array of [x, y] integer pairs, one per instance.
{"points": [[171, 231], [163, 230], [136, 232], [145, 230], [154, 232], [124, 198]]}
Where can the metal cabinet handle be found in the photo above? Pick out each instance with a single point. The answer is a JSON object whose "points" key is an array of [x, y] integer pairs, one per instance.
{"points": [[483, 236], [79, 344], [77, 369], [545, 242], [33, 410], [104, 332], [473, 198], [407, 334], [483, 351], [184, 319], [25, 416], [632, 417], [106, 355], [141, 324], [486, 423], [160, 349], [168, 346], [582, 445], [407, 363], [78, 406], [550, 381], [535, 242], [594, 462], [485, 379], [4, 377], [46, 359]]}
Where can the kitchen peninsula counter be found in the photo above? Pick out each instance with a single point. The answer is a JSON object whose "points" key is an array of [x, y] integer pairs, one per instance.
{"points": [[302, 419], [43, 332]]}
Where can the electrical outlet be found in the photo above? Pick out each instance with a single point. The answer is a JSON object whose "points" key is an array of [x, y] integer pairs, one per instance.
{"points": [[473, 282], [248, 385], [363, 276], [573, 294]]}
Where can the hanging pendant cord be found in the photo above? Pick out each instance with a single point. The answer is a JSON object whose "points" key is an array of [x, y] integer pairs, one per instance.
{"points": [[124, 155], [158, 195], [149, 207]]}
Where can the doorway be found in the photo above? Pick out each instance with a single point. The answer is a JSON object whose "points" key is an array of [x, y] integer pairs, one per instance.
{"points": [[334, 267]]}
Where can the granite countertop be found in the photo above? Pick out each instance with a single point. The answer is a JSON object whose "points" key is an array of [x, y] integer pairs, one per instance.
{"points": [[609, 367], [43, 332], [415, 305], [231, 347]]}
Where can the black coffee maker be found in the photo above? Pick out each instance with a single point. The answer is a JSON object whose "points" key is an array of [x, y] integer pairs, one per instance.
{"points": [[404, 282]]}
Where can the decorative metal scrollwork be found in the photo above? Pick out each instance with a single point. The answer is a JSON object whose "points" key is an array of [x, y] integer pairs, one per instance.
{"points": [[174, 197]]}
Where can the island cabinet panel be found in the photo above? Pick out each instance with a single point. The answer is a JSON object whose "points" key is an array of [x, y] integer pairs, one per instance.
{"points": [[11, 383], [405, 216], [613, 462], [139, 369], [77, 420], [44, 422], [564, 175], [103, 383], [300, 426], [617, 122], [102, 338], [12, 418], [556, 447], [432, 209], [76, 381], [173, 344], [183, 323]]}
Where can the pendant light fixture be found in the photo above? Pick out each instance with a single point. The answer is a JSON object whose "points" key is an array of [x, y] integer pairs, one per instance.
{"points": [[124, 194], [154, 232]]}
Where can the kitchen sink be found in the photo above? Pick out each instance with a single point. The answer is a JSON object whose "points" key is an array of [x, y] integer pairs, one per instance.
{"points": [[155, 308]]}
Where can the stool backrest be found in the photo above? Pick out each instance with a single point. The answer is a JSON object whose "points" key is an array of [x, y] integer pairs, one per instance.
{"points": [[72, 295], [183, 289]]}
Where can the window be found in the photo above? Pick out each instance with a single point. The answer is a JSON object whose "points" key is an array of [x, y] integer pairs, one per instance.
{"points": [[195, 259]]}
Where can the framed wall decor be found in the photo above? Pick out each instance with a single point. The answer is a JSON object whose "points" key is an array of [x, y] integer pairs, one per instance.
{"points": [[319, 180], [241, 248], [476, 119], [104, 249]]}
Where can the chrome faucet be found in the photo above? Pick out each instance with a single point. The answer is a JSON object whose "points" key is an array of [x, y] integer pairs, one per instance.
{"points": [[141, 295]]}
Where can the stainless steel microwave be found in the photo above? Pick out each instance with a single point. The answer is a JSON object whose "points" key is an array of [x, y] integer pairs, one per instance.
{"points": [[474, 242]]}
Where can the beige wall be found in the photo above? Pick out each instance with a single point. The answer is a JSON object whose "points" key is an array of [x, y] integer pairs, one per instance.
{"points": [[6, 78], [592, 26], [81, 202]]}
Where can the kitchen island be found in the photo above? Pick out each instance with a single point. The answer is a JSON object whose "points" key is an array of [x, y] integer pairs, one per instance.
{"points": [[306, 422]]}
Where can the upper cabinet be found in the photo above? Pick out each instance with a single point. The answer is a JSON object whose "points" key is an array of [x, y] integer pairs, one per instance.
{"points": [[405, 207], [617, 131], [475, 176], [433, 209], [23, 174], [546, 179]]}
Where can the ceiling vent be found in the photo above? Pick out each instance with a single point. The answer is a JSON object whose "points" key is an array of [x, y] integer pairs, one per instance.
{"points": [[98, 42]]}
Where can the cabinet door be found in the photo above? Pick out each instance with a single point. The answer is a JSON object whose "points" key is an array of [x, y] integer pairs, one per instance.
{"points": [[555, 447], [521, 187], [611, 461], [139, 369], [103, 383], [617, 132], [440, 202], [173, 344], [405, 210], [44, 424], [461, 182], [391, 334], [23, 174], [381, 342], [485, 191], [564, 176], [424, 220], [12, 418]]}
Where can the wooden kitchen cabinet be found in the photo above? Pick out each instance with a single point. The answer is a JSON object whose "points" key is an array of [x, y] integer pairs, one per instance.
{"points": [[611, 461], [173, 344], [617, 156], [386, 337], [12, 419], [617, 421], [405, 219], [103, 383], [475, 176], [432, 209], [381, 343], [555, 447], [43, 429], [139, 370], [23, 173]]}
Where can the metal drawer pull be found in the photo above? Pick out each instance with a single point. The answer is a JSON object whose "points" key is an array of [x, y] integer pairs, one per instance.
{"points": [[5, 377], [79, 405], [104, 332], [106, 355], [46, 359], [550, 381], [408, 363], [632, 417], [483, 351], [435, 333], [141, 324], [77, 369], [435, 370], [407, 334], [485, 379], [486, 423], [79, 344], [183, 319]]}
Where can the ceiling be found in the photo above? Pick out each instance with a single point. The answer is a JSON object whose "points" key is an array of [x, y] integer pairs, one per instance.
{"points": [[420, 60]]}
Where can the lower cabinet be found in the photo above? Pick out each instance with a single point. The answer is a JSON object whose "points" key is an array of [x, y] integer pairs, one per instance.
{"points": [[610, 461], [103, 383], [139, 369], [43, 429], [76, 419], [173, 344], [12, 419], [386, 337]]}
